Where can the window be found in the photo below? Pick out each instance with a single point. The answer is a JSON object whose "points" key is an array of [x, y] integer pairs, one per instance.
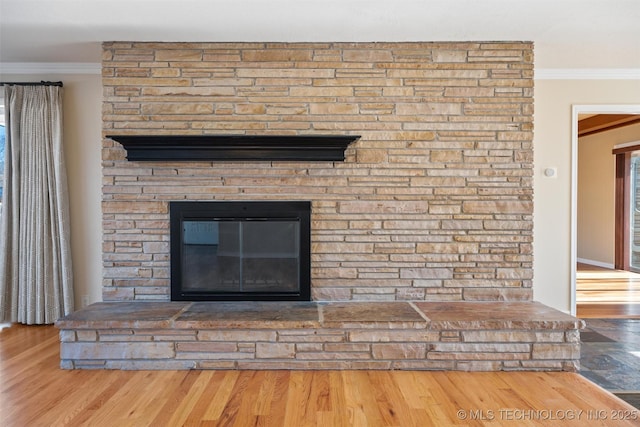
{"points": [[2, 138]]}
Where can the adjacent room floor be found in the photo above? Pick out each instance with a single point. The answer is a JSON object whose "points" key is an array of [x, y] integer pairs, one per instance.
{"points": [[609, 301], [610, 356]]}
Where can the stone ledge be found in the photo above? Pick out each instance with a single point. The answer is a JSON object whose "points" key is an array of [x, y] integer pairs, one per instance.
{"points": [[320, 335]]}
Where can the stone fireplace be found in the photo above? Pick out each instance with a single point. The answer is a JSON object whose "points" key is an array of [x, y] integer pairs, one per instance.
{"points": [[420, 232], [432, 203]]}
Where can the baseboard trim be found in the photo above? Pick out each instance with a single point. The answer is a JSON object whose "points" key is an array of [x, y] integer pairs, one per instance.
{"points": [[596, 263]]}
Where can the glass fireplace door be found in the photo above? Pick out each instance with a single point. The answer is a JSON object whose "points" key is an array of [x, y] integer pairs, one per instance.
{"points": [[249, 256], [240, 250]]}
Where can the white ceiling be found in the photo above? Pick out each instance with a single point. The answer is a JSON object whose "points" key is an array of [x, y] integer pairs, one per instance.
{"points": [[566, 33]]}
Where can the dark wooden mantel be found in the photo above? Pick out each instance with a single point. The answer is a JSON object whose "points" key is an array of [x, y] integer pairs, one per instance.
{"points": [[235, 147]]}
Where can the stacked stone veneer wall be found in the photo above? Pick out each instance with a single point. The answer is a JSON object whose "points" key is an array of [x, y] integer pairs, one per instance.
{"points": [[434, 202]]}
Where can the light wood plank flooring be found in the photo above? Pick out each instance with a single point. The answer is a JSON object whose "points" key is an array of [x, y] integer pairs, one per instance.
{"points": [[34, 392], [606, 293]]}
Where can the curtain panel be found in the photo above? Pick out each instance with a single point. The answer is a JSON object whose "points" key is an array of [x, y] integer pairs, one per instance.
{"points": [[36, 284]]}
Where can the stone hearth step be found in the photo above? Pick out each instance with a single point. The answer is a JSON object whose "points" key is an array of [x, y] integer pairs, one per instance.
{"points": [[478, 336]]}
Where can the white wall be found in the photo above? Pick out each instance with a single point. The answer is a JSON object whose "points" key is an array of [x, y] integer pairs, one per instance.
{"points": [[82, 99], [554, 100]]}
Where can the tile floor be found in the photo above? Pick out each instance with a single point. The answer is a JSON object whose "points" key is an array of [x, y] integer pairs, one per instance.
{"points": [[610, 356]]}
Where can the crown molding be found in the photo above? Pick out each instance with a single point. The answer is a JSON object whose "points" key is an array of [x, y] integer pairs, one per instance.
{"points": [[50, 68], [587, 74]]}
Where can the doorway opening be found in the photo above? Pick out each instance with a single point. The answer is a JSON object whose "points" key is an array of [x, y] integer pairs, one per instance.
{"points": [[596, 276]]}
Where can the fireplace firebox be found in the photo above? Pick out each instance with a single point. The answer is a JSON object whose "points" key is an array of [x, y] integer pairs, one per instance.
{"points": [[240, 251]]}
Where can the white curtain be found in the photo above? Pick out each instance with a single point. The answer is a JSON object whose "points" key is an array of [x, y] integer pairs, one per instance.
{"points": [[36, 285]]}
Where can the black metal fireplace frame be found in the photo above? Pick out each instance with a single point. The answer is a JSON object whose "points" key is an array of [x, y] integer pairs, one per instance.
{"points": [[240, 210]]}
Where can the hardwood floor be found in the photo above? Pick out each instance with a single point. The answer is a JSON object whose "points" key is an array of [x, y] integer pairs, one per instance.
{"points": [[605, 293], [35, 392]]}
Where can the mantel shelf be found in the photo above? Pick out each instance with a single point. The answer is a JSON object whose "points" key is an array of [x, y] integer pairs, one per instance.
{"points": [[235, 147]]}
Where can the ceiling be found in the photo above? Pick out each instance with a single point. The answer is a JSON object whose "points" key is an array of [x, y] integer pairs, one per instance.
{"points": [[567, 33]]}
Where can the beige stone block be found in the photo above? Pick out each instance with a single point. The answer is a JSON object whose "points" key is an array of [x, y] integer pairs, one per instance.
{"points": [[70, 336], [399, 351], [543, 365], [514, 273], [214, 347], [341, 247], [320, 92], [498, 294], [277, 55], [442, 55], [497, 207], [118, 294], [173, 108], [331, 294], [377, 108], [393, 336], [188, 92], [250, 109], [486, 347], [523, 83], [461, 224], [508, 225], [216, 364], [247, 347], [572, 336], [347, 347], [469, 92], [446, 248], [237, 335], [171, 337], [478, 366], [438, 181], [424, 365], [429, 274], [544, 351], [334, 273], [439, 209], [446, 156], [404, 109], [382, 207], [285, 76], [125, 338], [325, 355], [499, 336], [67, 364], [236, 355], [333, 108], [275, 351], [134, 207], [125, 81], [367, 55], [290, 110], [178, 55], [312, 347], [117, 350], [478, 356], [426, 283], [165, 72], [298, 337]]}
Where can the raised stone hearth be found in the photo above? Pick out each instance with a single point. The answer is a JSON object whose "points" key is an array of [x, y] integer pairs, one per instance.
{"points": [[475, 336]]}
